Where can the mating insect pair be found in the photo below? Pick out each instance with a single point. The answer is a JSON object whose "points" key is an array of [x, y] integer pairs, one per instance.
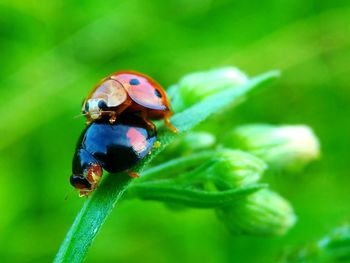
{"points": [[119, 132]]}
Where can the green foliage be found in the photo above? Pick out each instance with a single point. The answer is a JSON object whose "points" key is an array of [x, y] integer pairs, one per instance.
{"points": [[334, 247], [53, 52]]}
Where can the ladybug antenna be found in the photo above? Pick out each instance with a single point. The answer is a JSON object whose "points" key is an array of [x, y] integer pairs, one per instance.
{"points": [[80, 115]]}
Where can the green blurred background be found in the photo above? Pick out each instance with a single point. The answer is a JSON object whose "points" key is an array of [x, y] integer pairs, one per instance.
{"points": [[52, 53]]}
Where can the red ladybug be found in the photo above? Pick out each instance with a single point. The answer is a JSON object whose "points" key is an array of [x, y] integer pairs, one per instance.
{"points": [[114, 147], [128, 91]]}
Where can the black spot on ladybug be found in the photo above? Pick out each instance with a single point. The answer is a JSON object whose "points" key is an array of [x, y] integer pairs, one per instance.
{"points": [[134, 82], [102, 104], [158, 94]]}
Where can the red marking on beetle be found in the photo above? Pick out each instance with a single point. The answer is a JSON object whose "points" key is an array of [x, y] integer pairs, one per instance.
{"points": [[94, 174], [137, 140], [133, 174]]}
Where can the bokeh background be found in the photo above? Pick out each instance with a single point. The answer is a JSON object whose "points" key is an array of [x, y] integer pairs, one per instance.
{"points": [[52, 53]]}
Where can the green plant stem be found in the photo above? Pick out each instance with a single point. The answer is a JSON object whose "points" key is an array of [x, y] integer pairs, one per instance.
{"points": [[92, 209], [100, 204], [166, 192], [176, 165]]}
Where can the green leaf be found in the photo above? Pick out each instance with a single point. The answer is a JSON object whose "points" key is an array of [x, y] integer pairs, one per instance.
{"points": [[100, 204]]}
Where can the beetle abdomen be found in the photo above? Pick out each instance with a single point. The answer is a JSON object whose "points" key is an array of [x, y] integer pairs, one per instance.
{"points": [[118, 146]]}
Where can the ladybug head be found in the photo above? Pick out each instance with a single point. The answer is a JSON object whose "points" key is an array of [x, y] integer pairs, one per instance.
{"points": [[108, 94], [87, 182], [94, 108], [87, 173]]}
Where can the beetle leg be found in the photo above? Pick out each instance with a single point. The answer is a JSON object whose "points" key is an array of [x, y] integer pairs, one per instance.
{"points": [[149, 123], [169, 125], [133, 174], [113, 117], [88, 121], [85, 193]]}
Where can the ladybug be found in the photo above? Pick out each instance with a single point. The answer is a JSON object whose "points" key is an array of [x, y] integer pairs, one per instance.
{"points": [[114, 147], [128, 91]]}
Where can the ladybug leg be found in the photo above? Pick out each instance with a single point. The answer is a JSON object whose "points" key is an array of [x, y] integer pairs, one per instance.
{"points": [[88, 121], [113, 117], [84, 193], [121, 108], [144, 116], [168, 124], [133, 174]]}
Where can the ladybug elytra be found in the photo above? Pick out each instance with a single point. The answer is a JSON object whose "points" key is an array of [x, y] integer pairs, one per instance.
{"points": [[130, 92]]}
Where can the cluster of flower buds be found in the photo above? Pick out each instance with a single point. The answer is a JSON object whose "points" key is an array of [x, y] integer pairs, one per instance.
{"points": [[199, 85], [225, 180], [227, 177]]}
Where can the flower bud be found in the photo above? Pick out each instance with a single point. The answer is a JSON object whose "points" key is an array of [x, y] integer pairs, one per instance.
{"points": [[261, 213], [290, 146], [196, 86], [187, 144], [193, 141], [233, 169]]}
